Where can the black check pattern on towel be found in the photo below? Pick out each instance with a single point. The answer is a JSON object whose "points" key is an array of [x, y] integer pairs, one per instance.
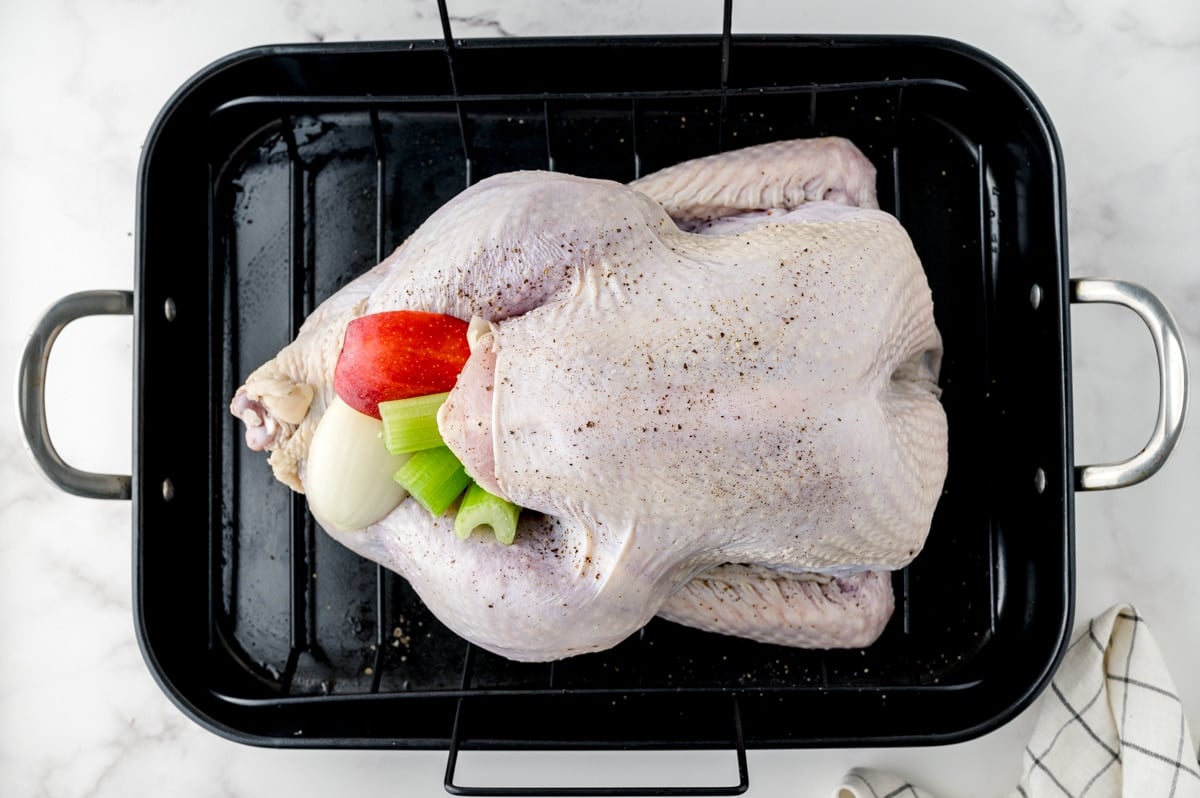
{"points": [[1110, 725], [1075, 731], [1113, 724], [873, 784], [1152, 695]]}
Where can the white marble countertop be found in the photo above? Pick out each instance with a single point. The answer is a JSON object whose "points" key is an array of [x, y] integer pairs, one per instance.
{"points": [[80, 84]]}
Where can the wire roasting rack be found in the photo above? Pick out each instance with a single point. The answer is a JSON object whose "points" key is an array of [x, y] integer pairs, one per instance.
{"points": [[279, 174]]}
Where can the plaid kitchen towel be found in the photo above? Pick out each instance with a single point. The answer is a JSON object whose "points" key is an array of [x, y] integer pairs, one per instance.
{"points": [[1112, 725]]}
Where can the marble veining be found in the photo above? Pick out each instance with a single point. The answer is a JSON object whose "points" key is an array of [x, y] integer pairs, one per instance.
{"points": [[80, 84]]}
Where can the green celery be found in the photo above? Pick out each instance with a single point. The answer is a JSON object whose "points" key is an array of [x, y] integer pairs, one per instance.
{"points": [[410, 425], [434, 477], [480, 508]]}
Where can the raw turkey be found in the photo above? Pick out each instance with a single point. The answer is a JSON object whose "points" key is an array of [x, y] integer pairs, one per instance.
{"points": [[714, 390]]}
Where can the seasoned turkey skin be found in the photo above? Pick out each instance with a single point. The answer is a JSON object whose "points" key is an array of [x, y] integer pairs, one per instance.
{"points": [[715, 390]]}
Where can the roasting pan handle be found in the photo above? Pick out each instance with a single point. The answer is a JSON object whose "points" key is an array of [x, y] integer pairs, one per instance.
{"points": [[31, 393], [738, 788], [1172, 383]]}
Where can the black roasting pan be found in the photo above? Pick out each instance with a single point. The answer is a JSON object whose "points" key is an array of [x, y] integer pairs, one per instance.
{"points": [[279, 173]]}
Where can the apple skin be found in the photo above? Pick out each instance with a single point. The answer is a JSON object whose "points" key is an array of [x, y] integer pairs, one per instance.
{"points": [[398, 354]]}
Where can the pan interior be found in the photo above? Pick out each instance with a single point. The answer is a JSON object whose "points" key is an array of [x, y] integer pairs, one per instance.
{"points": [[269, 631]]}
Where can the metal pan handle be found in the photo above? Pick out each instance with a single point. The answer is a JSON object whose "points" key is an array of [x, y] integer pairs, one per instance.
{"points": [[31, 393], [738, 788], [1172, 383]]}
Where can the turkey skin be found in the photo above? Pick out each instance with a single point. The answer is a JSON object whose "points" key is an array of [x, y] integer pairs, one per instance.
{"points": [[713, 390]]}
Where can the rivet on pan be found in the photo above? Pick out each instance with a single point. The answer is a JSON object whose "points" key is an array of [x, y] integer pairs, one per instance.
{"points": [[1039, 481], [169, 309], [1035, 296], [168, 490]]}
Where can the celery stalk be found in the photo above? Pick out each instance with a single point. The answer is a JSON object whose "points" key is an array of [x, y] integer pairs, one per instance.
{"points": [[434, 477], [480, 508], [410, 425]]}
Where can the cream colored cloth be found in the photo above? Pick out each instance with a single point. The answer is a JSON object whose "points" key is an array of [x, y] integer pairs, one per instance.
{"points": [[1111, 725]]}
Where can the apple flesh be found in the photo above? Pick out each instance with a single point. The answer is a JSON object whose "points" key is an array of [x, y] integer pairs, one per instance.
{"points": [[399, 354]]}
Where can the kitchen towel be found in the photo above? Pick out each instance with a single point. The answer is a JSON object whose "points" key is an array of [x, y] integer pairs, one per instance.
{"points": [[1112, 725]]}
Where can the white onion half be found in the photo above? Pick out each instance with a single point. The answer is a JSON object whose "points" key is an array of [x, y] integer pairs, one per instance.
{"points": [[348, 480]]}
